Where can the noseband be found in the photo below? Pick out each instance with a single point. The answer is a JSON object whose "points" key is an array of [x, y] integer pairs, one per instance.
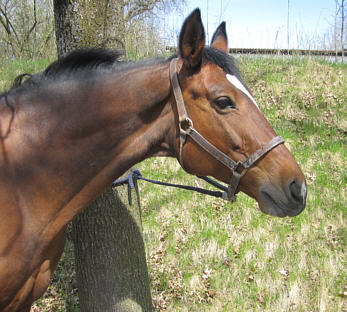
{"points": [[186, 128]]}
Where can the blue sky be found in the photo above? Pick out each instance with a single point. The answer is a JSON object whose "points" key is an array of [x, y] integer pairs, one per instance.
{"points": [[263, 23]]}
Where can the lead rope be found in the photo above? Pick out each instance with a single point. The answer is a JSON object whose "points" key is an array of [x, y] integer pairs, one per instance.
{"points": [[136, 175]]}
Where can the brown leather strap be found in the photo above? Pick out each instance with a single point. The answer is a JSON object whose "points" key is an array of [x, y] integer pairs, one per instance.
{"points": [[250, 161], [262, 151], [211, 149], [232, 188], [182, 112], [183, 119]]}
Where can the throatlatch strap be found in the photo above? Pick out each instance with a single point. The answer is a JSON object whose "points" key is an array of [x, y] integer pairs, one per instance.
{"points": [[182, 112], [181, 109]]}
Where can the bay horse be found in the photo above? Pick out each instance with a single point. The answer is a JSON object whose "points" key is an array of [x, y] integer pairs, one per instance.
{"points": [[68, 132]]}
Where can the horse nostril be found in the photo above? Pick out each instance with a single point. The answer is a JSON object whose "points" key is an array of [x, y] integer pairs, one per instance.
{"points": [[297, 192]]}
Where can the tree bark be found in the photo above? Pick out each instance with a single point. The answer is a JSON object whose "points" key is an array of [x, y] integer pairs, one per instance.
{"points": [[109, 249], [67, 28], [110, 255]]}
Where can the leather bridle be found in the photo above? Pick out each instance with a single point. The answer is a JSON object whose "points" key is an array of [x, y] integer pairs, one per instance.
{"points": [[186, 128]]}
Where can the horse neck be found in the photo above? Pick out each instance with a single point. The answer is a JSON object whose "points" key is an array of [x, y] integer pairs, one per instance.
{"points": [[144, 122], [90, 134], [137, 122]]}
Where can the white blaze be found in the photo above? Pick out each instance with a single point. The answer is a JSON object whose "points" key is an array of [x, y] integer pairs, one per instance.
{"points": [[238, 84]]}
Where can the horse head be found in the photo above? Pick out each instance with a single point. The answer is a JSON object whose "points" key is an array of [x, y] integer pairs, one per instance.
{"points": [[218, 106]]}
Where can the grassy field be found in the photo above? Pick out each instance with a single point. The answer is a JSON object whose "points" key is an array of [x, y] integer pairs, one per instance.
{"points": [[208, 255]]}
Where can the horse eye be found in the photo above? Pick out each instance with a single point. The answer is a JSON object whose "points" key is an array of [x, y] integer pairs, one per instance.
{"points": [[225, 102]]}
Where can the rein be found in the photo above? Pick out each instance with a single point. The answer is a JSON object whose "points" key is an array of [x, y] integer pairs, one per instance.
{"points": [[186, 128]]}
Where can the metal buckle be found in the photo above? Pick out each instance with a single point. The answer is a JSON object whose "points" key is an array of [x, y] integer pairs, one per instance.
{"points": [[226, 196], [239, 168], [185, 124]]}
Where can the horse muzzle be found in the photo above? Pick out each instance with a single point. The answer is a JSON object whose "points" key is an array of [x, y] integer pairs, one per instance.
{"points": [[282, 203]]}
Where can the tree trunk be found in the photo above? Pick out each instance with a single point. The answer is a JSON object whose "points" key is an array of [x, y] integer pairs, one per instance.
{"points": [[109, 249], [67, 28], [110, 255]]}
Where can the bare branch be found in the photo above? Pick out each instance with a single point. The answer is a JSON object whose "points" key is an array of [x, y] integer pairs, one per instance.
{"points": [[35, 22], [140, 7], [8, 24]]}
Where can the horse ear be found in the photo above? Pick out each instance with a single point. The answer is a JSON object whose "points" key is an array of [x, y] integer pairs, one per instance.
{"points": [[192, 40], [220, 39]]}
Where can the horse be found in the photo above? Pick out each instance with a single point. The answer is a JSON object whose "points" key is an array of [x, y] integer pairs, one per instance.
{"points": [[68, 132]]}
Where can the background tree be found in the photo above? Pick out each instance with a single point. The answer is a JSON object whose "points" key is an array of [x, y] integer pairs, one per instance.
{"points": [[26, 28], [127, 25], [343, 13], [339, 33], [110, 254]]}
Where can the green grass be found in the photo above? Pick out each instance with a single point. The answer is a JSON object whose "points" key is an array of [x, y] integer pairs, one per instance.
{"points": [[9, 70], [208, 255]]}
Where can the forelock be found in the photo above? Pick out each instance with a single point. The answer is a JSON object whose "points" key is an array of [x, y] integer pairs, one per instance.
{"points": [[223, 60]]}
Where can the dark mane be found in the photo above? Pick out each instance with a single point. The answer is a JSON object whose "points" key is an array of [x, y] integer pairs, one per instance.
{"points": [[83, 59], [97, 60], [78, 61]]}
